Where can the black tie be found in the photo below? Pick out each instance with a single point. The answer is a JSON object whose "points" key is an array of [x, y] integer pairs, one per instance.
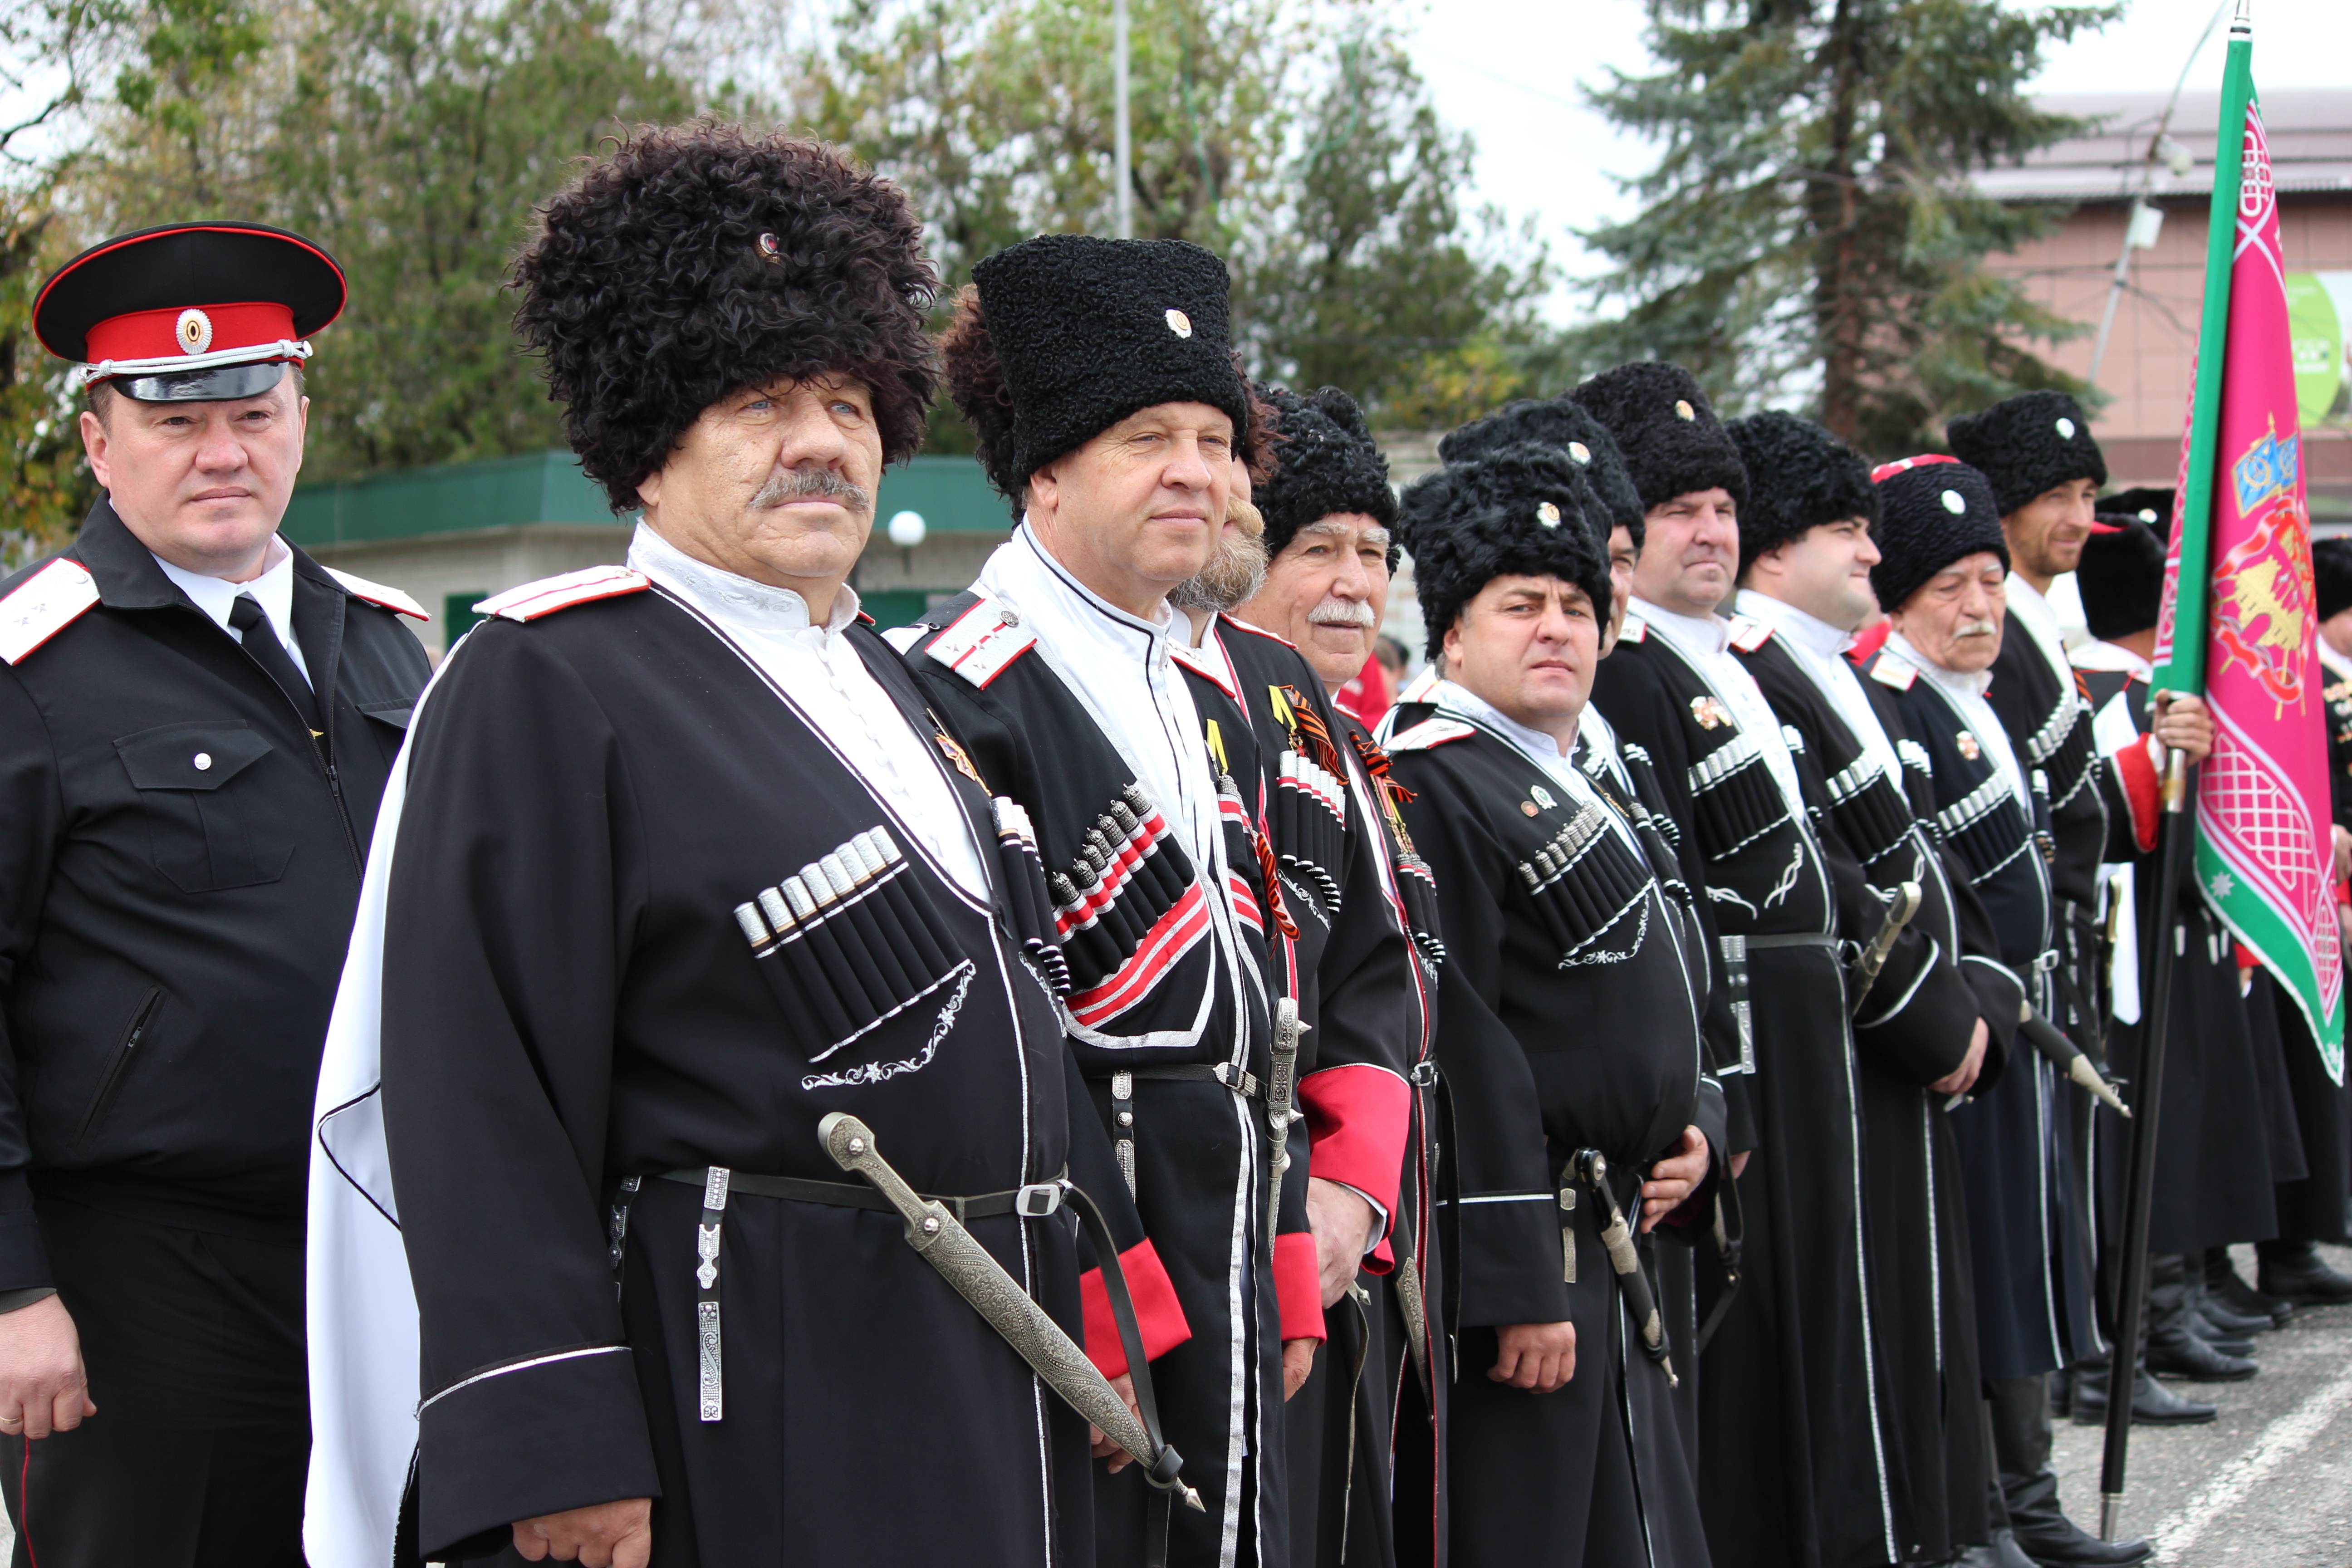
{"points": [[261, 642]]}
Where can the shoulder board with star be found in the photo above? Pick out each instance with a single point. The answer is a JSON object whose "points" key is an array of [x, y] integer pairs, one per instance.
{"points": [[549, 594], [1896, 672], [44, 604], [982, 642], [1748, 636], [377, 594], [1429, 733], [1635, 630]]}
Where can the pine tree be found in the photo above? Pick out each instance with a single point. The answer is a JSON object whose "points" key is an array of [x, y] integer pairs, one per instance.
{"points": [[1370, 276], [1810, 228]]}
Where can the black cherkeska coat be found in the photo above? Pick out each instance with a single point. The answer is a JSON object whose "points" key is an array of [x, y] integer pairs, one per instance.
{"points": [[1792, 1451], [2214, 1182], [569, 1000], [179, 866], [1364, 996], [2032, 1259], [1173, 972], [1913, 1027], [1569, 1019]]}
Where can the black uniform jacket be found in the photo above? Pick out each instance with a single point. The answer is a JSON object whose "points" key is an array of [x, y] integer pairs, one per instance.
{"points": [[2031, 1276], [571, 999], [1171, 972], [179, 864], [2213, 1184], [1793, 1459], [1912, 1027], [2049, 723], [1568, 1013], [1352, 964]]}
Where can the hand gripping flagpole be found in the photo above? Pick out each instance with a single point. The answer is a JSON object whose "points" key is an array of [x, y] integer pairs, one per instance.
{"points": [[2183, 671]]}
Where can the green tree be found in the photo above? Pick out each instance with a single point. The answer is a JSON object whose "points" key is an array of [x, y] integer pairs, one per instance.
{"points": [[1810, 227], [413, 139], [1370, 276]]}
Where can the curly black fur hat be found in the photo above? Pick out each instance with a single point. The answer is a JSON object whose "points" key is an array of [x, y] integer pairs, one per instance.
{"points": [[2150, 504], [2027, 444], [1525, 509], [697, 261], [1672, 441], [1799, 477], [2331, 562], [2121, 577], [1086, 331], [1326, 461], [1932, 511], [1556, 422]]}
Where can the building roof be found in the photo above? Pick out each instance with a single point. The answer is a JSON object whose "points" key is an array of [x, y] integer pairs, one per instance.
{"points": [[952, 494], [2310, 132]]}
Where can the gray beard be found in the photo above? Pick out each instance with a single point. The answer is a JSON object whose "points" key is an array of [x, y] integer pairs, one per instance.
{"points": [[1233, 576]]}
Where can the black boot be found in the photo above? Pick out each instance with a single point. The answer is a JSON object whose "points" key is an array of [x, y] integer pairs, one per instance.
{"points": [[2019, 1410], [2153, 1405], [2238, 1296], [2294, 1271], [2200, 1323], [2004, 1553], [2173, 1348], [2210, 1319]]}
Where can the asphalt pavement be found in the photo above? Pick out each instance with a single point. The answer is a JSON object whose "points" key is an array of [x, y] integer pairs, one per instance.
{"points": [[2268, 1483]]}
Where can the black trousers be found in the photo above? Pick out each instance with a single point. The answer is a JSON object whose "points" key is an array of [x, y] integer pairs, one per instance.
{"points": [[195, 1458]]}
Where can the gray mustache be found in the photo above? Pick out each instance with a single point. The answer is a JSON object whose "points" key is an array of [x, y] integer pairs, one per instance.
{"points": [[1342, 613], [1977, 629], [796, 484]]}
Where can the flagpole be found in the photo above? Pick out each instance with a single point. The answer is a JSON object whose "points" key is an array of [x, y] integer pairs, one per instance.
{"points": [[2183, 672]]}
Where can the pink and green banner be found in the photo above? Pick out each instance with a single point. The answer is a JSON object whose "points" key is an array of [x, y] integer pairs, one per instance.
{"points": [[2238, 621]]}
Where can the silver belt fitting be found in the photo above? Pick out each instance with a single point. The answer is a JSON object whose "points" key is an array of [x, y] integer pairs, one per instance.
{"points": [[712, 1388], [1122, 1112]]}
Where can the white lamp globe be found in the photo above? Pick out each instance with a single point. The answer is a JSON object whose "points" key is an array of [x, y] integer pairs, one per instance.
{"points": [[907, 529]]}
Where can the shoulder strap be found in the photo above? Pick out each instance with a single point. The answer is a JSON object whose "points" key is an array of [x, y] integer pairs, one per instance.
{"points": [[44, 604]]}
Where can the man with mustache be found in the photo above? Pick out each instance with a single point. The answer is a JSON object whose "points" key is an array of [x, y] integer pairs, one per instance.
{"points": [[686, 867], [1098, 375], [1941, 574], [1920, 1031], [1568, 1033], [1305, 630], [196, 720], [1793, 1445]]}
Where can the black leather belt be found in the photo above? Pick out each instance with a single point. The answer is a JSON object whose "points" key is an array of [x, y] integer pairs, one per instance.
{"points": [[1793, 939], [1243, 1083], [1035, 1200]]}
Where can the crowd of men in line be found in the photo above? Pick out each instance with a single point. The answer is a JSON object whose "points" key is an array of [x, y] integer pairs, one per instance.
{"points": [[697, 1080]]}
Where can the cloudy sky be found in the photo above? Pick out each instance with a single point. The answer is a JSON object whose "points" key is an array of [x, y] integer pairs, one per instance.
{"points": [[1509, 72]]}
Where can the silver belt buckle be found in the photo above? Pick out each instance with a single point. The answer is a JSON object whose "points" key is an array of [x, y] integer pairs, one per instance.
{"points": [[1037, 1200]]}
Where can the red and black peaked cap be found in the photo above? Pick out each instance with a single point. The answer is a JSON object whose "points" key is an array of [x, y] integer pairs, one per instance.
{"points": [[190, 312]]}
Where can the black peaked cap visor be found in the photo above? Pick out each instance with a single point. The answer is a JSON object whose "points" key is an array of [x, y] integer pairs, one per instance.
{"points": [[181, 265]]}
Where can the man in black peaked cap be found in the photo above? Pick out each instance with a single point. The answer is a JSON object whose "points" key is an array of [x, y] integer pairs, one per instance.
{"points": [[196, 724]]}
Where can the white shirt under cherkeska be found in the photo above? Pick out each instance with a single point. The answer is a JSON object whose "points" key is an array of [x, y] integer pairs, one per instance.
{"points": [[273, 590], [1820, 651], [819, 669], [1965, 690], [1705, 641], [1125, 667]]}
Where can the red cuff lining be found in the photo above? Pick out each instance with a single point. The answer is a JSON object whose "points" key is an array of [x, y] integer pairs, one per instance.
{"points": [[1298, 1286], [1357, 1117], [2143, 791], [1157, 1314]]}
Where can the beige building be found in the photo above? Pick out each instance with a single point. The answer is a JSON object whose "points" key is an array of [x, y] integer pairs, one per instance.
{"points": [[2150, 350]]}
